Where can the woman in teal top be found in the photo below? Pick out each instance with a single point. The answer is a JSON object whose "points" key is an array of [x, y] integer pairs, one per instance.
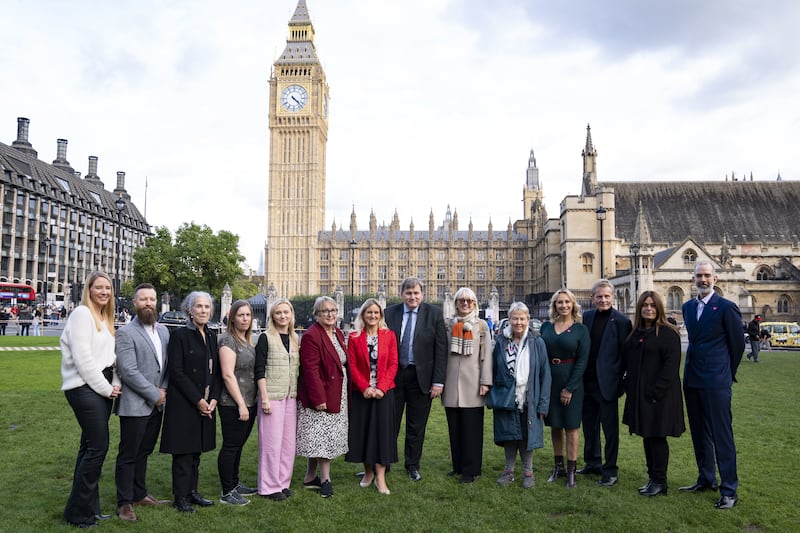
{"points": [[567, 342]]}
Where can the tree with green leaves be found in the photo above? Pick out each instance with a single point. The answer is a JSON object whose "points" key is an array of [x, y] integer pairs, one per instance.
{"points": [[196, 259]]}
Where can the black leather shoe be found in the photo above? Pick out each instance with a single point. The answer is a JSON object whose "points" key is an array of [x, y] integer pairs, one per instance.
{"points": [[413, 474], [590, 470], [558, 471], [198, 499], [646, 485], [182, 505], [699, 487], [468, 479], [726, 502], [607, 481], [655, 489], [87, 525], [102, 516]]}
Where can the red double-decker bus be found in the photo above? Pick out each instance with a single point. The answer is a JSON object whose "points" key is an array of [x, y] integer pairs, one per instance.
{"points": [[16, 293]]}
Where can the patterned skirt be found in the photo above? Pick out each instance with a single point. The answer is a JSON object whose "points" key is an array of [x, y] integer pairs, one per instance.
{"points": [[322, 434]]}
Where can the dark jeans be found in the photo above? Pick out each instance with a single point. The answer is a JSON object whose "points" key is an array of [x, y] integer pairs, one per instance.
{"points": [[597, 413], [137, 440], [92, 412], [24, 329], [755, 347], [234, 435], [417, 404]]}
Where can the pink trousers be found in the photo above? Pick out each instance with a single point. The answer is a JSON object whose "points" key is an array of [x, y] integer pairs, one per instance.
{"points": [[276, 446]]}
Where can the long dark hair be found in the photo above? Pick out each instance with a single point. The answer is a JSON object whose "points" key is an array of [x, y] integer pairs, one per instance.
{"points": [[661, 316]]}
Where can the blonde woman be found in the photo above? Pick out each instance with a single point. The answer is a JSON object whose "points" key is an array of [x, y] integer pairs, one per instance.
{"points": [[467, 381], [372, 364], [90, 384], [277, 367], [567, 341]]}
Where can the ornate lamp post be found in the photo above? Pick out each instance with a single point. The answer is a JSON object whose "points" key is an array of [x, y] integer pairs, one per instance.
{"points": [[635, 270], [600, 212], [353, 244]]}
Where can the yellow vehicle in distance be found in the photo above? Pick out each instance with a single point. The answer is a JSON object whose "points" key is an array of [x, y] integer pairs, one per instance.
{"points": [[783, 334]]}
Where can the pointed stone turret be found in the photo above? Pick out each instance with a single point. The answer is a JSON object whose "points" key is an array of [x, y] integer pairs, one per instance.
{"points": [[532, 179], [300, 43], [353, 225], [455, 220], [373, 225], [641, 232], [589, 155]]}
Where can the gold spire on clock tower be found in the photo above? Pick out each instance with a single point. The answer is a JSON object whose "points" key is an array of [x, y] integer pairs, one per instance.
{"points": [[298, 124]]}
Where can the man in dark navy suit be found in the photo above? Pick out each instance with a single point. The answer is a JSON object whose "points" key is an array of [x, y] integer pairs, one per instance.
{"points": [[422, 357], [716, 345], [602, 383]]}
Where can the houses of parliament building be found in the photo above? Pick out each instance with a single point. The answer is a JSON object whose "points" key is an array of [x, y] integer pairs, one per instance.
{"points": [[639, 234]]}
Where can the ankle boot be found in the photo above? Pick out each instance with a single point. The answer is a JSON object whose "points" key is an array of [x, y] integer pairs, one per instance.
{"points": [[571, 481], [558, 469]]}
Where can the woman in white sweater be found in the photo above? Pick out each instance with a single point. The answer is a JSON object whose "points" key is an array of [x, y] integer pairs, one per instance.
{"points": [[90, 384]]}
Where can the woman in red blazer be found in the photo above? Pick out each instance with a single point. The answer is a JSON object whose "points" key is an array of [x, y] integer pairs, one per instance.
{"points": [[372, 361], [322, 392]]}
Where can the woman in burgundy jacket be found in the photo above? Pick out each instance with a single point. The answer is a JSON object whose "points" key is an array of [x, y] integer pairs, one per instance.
{"points": [[322, 393]]}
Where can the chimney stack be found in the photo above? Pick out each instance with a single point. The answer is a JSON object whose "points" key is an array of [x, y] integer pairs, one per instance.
{"points": [[91, 175], [22, 144], [121, 186], [61, 156]]}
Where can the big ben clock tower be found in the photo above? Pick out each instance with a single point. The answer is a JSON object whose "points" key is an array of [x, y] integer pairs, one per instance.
{"points": [[298, 124]]}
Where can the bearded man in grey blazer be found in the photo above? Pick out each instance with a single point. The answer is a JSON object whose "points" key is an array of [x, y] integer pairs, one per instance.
{"points": [[141, 348]]}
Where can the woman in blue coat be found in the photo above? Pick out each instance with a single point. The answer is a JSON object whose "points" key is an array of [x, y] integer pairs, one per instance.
{"points": [[520, 395]]}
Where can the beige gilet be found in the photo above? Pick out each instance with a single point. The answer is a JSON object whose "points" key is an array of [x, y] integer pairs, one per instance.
{"points": [[282, 368]]}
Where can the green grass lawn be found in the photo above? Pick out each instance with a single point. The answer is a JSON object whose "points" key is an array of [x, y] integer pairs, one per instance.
{"points": [[39, 439]]}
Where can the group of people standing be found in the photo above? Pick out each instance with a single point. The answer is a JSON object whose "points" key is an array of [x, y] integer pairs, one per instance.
{"points": [[325, 396]]}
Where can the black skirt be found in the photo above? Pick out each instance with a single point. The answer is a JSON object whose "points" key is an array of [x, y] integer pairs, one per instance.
{"points": [[371, 435]]}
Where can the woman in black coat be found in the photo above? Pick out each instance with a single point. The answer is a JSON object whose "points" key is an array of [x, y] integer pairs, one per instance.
{"points": [[653, 399], [194, 388]]}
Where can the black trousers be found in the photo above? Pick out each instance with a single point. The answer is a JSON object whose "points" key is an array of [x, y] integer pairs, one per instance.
{"points": [[234, 435], [137, 440], [597, 413], [465, 425], [185, 474], [656, 453], [92, 412], [417, 404]]}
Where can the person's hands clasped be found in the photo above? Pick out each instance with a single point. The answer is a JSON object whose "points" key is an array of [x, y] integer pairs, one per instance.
{"points": [[115, 391], [566, 397], [206, 408]]}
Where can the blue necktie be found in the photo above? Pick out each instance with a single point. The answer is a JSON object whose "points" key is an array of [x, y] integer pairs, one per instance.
{"points": [[405, 342]]}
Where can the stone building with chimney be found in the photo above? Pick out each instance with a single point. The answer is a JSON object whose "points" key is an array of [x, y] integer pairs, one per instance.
{"points": [[57, 222]]}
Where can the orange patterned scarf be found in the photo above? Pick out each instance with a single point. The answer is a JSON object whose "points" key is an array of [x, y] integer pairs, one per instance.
{"points": [[461, 335]]}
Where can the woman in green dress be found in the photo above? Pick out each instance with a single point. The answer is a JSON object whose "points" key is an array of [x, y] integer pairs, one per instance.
{"points": [[567, 341]]}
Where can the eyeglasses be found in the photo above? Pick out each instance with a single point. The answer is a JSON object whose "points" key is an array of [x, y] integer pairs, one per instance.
{"points": [[328, 311], [462, 301]]}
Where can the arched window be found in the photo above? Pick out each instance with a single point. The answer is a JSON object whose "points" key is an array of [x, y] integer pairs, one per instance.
{"points": [[763, 273], [587, 262], [783, 303], [674, 298], [689, 257]]}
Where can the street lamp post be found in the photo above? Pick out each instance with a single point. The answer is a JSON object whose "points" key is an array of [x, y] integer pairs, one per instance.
{"points": [[120, 205], [635, 270], [47, 242], [600, 212], [353, 244]]}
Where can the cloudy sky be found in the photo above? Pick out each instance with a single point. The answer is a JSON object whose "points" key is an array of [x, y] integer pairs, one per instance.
{"points": [[433, 102]]}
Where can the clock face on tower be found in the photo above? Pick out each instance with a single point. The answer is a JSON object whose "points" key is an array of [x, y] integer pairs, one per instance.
{"points": [[294, 98]]}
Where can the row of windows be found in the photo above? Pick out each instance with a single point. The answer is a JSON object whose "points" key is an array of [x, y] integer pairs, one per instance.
{"points": [[422, 255]]}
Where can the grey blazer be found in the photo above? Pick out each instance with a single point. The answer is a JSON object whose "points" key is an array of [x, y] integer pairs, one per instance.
{"points": [[137, 365]]}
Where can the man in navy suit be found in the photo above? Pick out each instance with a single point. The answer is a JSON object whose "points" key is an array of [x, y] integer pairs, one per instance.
{"points": [[422, 355], [716, 345], [602, 382], [141, 348]]}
